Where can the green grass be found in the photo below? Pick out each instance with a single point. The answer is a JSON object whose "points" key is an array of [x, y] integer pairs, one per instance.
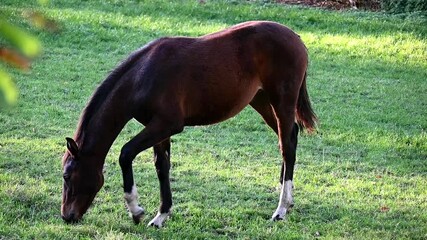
{"points": [[367, 81]]}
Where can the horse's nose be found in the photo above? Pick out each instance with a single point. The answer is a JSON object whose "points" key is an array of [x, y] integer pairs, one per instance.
{"points": [[70, 218]]}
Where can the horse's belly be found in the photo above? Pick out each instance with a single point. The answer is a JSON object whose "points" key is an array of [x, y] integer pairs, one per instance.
{"points": [[217, 108], [211, 116]]}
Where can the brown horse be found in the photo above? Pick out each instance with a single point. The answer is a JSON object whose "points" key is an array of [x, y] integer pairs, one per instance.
{"points": [[175, 82]]}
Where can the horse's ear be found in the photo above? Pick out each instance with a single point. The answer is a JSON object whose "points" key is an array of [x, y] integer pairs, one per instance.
{"points": [[72, 146]]}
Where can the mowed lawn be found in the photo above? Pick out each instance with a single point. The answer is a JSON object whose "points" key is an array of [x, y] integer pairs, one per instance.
{"points": [[362, 176]]}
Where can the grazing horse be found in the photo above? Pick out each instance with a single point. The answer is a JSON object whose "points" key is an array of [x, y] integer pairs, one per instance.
{"points": [[175, 82]]}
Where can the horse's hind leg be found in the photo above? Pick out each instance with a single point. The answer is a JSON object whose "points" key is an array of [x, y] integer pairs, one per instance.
{"points": [[162, 162], [286, 125], [262, 105], [283, 100]]}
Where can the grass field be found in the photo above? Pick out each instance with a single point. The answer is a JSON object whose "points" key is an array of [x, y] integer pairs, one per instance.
{"points": [[363, 176]]}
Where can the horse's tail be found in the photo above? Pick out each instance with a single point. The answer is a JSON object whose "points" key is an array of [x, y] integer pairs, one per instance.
{"points": [[305, 116]]}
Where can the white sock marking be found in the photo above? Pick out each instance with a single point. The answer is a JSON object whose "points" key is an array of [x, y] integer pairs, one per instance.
{"points": [[158, 220], [131, 200], [285, 200], [289, 201]]}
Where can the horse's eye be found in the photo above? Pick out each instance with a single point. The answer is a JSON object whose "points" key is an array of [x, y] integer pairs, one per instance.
{"points": [[66, 177]]}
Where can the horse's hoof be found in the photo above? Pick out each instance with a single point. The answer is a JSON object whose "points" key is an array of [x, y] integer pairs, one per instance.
{"points": [[158, 220], [279, 214], [137, 218], [277, 218], [154, 225]]}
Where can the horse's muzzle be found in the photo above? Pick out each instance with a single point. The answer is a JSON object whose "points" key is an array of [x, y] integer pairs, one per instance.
{"points": [[70, 218]]}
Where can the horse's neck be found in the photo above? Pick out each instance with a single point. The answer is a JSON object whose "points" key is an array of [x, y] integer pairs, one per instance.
{"points": [[100, 133]]}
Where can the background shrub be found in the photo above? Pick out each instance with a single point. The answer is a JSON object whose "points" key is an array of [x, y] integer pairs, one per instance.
{"points": [[405, 6], [391, 6]]}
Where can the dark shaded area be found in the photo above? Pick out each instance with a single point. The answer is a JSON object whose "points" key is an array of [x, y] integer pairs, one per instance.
{"points": [[391, 6], [373, 5]]}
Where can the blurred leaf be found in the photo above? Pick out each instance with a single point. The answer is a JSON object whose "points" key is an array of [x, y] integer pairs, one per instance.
{"points": [[29, 45], [14, 58], [43, 2], [41, 21], [8, 91]]}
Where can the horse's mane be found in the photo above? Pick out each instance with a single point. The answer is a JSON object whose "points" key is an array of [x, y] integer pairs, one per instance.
{"points": [[103, 91]]}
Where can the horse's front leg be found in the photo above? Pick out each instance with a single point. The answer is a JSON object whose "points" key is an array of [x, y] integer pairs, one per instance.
{"points": [[154, 133], [131, 194], [162, 163]]}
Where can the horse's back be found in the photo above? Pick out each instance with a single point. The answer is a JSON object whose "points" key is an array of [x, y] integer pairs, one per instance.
{"points": [[212, 78]]}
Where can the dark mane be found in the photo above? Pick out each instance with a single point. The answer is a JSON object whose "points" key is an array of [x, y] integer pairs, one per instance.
{"points": [[103, 91]]}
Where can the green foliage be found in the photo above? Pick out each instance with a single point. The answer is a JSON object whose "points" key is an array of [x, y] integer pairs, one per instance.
{"points": [[28, 45], [405, 6], [18, 48], [362, 177]]}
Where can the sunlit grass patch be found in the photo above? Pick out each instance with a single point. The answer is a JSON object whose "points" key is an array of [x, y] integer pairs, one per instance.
{"points": [[396, 49]]}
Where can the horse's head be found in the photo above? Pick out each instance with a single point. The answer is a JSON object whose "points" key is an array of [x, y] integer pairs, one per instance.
{"points": [[82, 180]]}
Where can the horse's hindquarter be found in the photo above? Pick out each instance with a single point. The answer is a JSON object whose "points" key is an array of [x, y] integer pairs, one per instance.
{"points": [[241, 60]]}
